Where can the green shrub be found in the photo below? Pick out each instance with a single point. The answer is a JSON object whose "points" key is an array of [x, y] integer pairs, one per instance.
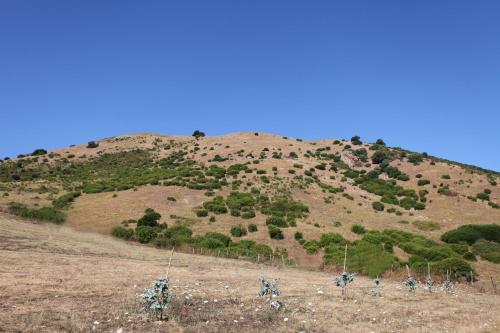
{"points": [[470, 233], [311, 246], [49, 214], [252, 227], [298, 235], [378, 206], [65, 200], [483, 196], [122, 232], [488, 250], [422, 182], [331, 238], [217, 205], [277, 221], [456, 266], [275, 232], [250, 214], [202, 213], [380, 156], [223, 239], [415, 159], [362, 257], [469, 256], [145, 234], [358, 229], [92, 144], [238, 231], [459, 248], [149, 219]]}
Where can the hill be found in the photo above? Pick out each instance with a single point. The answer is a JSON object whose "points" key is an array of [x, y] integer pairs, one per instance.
{"points": [[296, 200]]}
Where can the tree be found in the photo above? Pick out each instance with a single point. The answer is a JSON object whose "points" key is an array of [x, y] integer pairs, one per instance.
{"points": [[92, 144], [380, 142], [149, 219], [39, 152], [198, 134], [356, 140]]}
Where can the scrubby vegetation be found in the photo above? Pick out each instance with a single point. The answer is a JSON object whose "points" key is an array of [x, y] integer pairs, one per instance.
{"points": [[373, 254], [121, 232], [49, 214], [470, 233]]}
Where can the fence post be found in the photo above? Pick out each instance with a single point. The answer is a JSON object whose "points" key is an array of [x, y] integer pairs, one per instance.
{"points": [[493, 284]]}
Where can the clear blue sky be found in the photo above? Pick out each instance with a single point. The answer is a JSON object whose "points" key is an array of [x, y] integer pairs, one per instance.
{"points": [[423, 75]]}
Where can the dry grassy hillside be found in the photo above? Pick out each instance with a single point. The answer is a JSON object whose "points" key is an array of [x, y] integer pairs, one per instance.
{"points": [[312, 173], [56, 279]]}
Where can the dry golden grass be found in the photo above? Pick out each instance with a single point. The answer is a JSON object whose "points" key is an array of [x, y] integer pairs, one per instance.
{"points": [[56, 279]]}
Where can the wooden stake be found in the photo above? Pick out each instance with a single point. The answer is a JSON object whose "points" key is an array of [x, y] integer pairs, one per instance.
{"points": [[345, 256], [408, 271], [493, 284]]}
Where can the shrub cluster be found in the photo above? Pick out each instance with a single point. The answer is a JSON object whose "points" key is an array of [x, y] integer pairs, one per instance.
{"points": [[49, 214], [122, 232]]}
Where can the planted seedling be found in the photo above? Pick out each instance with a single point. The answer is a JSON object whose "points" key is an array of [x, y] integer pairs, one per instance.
{"points": [[448, 285], [269, 287], [428, 281], [156, 299], [345, 278], [376, 291], [409, 281]]}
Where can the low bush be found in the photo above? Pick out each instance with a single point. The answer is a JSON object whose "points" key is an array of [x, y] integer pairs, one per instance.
{"points": [[358, 229], [65, 200], [277, 221], [378, 206], [312, 246], [238, 231], [488, 250], [252, 227], [470, 233], [275, 232], [422, 182], [217, 205], [298, 235], [145, 234], [49, 214], [122, 232], [202, 213]]}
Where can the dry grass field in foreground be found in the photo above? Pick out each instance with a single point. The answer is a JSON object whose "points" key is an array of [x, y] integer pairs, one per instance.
{"points": [[56, 279]]}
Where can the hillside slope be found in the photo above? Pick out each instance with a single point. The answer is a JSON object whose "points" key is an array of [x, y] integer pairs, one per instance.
{"points": [[56, 279], [328, 186]]}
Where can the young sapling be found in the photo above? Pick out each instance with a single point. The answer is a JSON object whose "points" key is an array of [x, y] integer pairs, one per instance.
{"points": [[345, 278], [269, 287], [409, 281], [428, 281], [156, 299]]}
